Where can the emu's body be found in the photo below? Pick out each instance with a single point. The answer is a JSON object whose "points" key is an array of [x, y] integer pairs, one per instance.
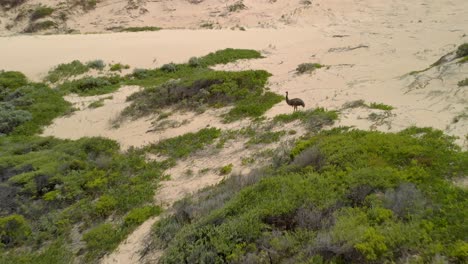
{"points": [[295, 102]]}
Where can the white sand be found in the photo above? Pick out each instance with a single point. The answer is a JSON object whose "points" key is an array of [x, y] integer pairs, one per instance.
{"points": [[370, 46]]}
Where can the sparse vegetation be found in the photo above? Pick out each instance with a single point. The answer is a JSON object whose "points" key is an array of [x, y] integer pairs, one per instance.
{"points": [[119, 67], [66, 70], [182, 146], [237, 6], [307, 67], [226, 169], [41, 12], [139, 29], [314, 119], [91, 85], [96, 64], [267, 137], [381, 106], [39, 26], [462, 50], [463, 82]]}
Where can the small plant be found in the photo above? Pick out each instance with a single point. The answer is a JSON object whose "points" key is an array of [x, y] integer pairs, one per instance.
{"points": [[91, 85], [226, 169], [66, 70], [381, 106], [138, 215], [463, 60], [119, 67], [237, 6], [462, 50], [96, 104], [194, 62], [307, 67], [38, 26], [463, 82], [354, 104], [41, 12], [139, 29], [96, 64], [170, 67]]}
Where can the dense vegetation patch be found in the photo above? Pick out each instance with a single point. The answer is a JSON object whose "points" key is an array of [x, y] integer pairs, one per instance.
{"points": [[26, 107], [57, 192], [307, 67], [139, 29], [194, 86], [91, 85], [184, 145], [314, 119], [41, 12], [463, 82], [345, 197]]}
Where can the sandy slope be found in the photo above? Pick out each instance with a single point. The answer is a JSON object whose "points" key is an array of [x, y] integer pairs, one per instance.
{"points": [[369, 46]]}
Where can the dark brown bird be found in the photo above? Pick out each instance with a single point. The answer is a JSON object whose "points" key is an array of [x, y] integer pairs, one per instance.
{"points": [[295, 102]]}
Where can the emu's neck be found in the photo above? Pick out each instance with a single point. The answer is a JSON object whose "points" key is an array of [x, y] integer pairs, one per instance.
{"points": [[287, 99]]}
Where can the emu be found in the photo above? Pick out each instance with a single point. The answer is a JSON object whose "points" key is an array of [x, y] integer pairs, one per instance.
{"points": [[295, 102]]}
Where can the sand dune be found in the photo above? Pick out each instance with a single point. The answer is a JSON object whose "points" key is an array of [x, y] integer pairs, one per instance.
{"points": [[369, 47]]}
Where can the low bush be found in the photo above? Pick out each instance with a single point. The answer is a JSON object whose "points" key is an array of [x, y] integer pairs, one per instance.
{"points": [[39, 26], [205, 87], [11, 80], [226, 169], [96, 64], [66, 70], [10, 118], [463, 82], [314, 119], [307, 67], [119, 67], [381, 106], [138, 215], [139, 29], [91, 85], [101, 239], [462, 50], [13, 230], [184, 145], [41, 12]]}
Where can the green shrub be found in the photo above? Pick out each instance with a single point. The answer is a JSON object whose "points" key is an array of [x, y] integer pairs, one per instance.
{"points": [[314, 119], [139, 29], [184, 145], [119, 67], [13, 230], [38, 26], [254, 106], [96, 64], [226, 169], [462, 50], [10, 118], [170, 67], [41, 12], [228, 55], [96, 104], [11, 80], [266, 137], [463, 82], [236, 6], [138, 215], [91, 85], [101, 239], [66, 70], [307, 67], [105, 205], [381, 106], [194, 62]]}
